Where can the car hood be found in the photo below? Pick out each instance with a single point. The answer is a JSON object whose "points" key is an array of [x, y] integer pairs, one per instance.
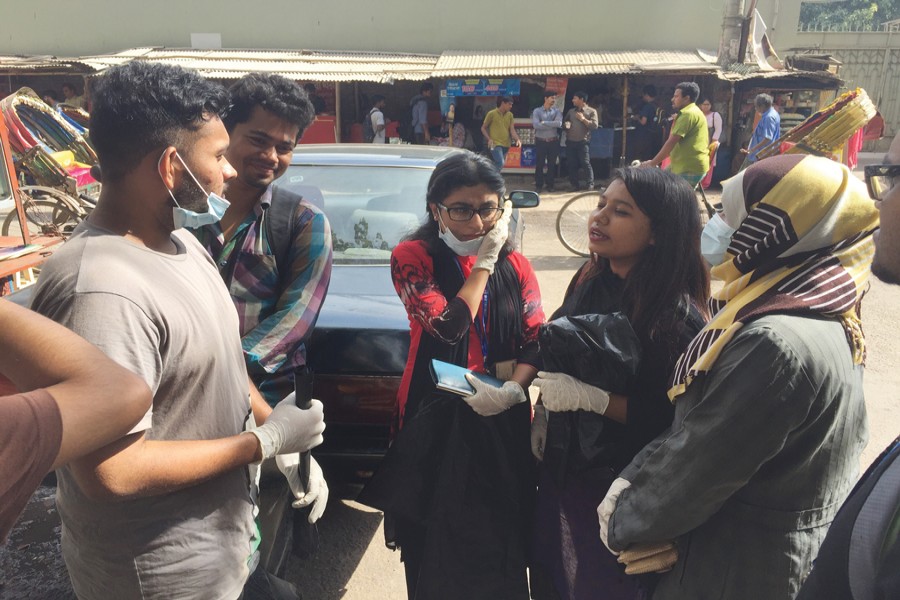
{"points": [[362, 328], [362, 297]]}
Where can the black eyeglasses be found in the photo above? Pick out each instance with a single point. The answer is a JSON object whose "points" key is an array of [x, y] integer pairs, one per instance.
{"points": [[880, 179], [464, 213]]}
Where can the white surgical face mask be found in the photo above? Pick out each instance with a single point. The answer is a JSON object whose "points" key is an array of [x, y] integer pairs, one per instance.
{"points": [[215, 210], [715, 239], [461, 248]]}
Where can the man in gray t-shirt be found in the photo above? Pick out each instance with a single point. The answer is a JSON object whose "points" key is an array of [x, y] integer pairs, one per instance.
{"points": [[166, 511]]}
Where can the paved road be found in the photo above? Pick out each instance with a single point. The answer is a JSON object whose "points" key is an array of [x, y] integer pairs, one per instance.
{"points": [[353, 563]]}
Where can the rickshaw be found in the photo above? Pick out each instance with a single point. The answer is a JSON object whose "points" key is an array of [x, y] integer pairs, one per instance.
{"points": [[53, 158]]}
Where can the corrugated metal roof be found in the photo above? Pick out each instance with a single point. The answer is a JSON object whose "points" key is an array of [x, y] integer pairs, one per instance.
{"points": [[382, 67], [315, 65], [454, 63], [37, 64], [742, 73]]}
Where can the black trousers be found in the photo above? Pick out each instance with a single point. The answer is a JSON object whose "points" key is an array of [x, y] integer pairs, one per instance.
{"points": [[578, 156], [546, 151]]}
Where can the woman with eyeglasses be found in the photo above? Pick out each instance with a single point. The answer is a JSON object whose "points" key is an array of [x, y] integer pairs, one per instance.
{"points": [[458, 481], [644, 241]]}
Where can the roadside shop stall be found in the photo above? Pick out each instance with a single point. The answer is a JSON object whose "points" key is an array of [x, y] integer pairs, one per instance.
{"points": [[826, 132], [612, 80], [797, 95], [472, 98], [335, 75]]}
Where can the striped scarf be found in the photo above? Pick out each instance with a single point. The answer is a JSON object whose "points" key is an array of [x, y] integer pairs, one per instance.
{"points": [[803, 246]]}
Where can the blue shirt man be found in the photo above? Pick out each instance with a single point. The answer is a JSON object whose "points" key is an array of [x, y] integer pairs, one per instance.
{"points": [[547, 120], [767, 130], [419, 107]]}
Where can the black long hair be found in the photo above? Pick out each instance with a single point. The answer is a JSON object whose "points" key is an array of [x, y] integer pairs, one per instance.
{"points": [[670, 273], [465, 169]]}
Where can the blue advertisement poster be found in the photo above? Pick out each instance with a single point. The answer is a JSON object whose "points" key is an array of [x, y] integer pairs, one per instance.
{"points": [[482, 87]]}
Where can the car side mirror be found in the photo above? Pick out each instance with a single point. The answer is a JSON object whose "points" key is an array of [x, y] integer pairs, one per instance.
{"points": [[524, 199]]}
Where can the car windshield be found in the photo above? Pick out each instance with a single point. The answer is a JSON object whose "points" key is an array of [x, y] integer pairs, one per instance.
{"points": [[370, 208]]}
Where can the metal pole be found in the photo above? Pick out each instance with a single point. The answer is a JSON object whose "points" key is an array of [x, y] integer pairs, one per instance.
{"points": [[730, 40], [884, 66], [732, 137], [337, 112], [745, 33], [624, 122]]}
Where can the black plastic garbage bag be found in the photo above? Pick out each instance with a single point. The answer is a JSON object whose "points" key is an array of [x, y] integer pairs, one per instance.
{"points": [[601, 350]]}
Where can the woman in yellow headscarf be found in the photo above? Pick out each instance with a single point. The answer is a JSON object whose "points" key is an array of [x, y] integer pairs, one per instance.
{"points": [[769, 415]]}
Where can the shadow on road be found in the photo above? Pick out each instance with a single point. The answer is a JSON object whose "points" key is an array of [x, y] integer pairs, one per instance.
{"points": [[346, 532], [31, 564]]}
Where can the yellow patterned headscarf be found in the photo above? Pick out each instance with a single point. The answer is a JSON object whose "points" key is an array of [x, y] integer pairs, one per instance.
{"points": [[803, 246]]}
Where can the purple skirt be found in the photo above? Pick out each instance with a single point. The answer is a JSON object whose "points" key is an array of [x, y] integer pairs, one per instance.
{"points": [[567, 547]]}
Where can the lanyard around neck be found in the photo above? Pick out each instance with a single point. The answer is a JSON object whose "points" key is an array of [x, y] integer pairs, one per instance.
{"points": [[480, 324]]}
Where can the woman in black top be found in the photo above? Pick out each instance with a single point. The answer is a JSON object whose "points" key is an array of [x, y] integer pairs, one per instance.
{"points": [[646, 263]]}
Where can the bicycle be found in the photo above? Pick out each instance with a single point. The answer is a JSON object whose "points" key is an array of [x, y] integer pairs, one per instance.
{"points": [[48, 212], [572, 221]]}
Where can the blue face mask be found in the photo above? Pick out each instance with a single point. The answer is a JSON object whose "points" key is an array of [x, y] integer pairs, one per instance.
{"points": [[216, 207], [715, 239]]}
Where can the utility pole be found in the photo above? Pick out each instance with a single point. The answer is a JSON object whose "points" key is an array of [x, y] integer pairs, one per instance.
{"points": [[732, 29]]}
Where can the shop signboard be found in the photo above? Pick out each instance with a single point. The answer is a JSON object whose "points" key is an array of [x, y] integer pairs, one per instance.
{"points": [[482, 87], [560, 86]]}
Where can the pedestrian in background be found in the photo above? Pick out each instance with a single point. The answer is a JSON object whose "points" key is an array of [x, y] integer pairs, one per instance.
{"points": [[499, 130], [547, 121], [376, 120], [714, 129], [72, 96], [688, 144], [318, 101], [418, 105], [767, 130], [580, 121], [648, 129]]}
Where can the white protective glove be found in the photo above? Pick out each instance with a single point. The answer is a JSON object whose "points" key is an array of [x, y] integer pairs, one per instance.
{"points": [[493, 242], [649, 557], [561, 392], [539, 431], [317, 495], [488, 400], [607, 506], [290, 429]]}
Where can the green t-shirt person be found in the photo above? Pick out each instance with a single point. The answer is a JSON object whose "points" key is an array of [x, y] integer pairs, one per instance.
{"points": [[498, 124], [691, 154], [688, 144]]}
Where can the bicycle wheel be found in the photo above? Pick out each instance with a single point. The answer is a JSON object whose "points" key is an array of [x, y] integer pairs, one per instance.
{"points": [[43, 217], [572, 222]]}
